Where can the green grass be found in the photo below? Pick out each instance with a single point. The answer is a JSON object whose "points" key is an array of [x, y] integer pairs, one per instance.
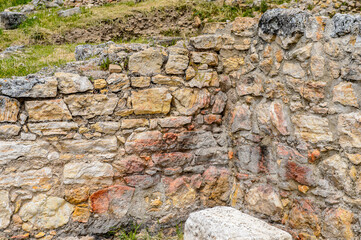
{"points": [[4, 4], [34, 58]]}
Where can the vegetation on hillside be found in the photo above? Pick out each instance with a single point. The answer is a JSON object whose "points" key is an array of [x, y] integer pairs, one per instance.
{"points": [[4, 4]]}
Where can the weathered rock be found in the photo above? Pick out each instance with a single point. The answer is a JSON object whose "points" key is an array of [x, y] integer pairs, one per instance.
{"points": [[172, 159], [338, 224], [144, 141], [311, 90], [69, 12], [13, 150], [317, 66], [293, 69], [11, 20], [348, 128], [47, 110], [115, 201], [130, 164], [52, 128], [147, 62], [100, 83], [167, 80], [303, 216], [219, 102], [151, 101], [188, 101], [134, 123], [77, 195], [46, 212], [91, 105], [344, 94], [9, 130], [34, 180], [176, 64], [88, 173], [207, 42], [106, 127], [113, 68], [5, 209], [244, 26], [343, 24], [303, 53], [279, 117], [283, 22], [72, 83], [107, 145], [251, 84], [32, 87], [211, 59], [171, 122], [140, 82], [240, 118], [229, 223], [336, 169], [312, 128], [248, 158], [264, 199], [205, 79], [9, 109], [118, 81]]}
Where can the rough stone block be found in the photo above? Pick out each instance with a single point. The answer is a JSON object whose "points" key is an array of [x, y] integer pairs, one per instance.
{"points": [[226, 223]]}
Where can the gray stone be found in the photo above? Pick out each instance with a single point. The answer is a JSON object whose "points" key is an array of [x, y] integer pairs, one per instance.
{"points": [[69, 12], [343, 24], [226, 223], [72, 83], [11, 20], [283, 22], [32, 87], [5, 209], [82, 173]]}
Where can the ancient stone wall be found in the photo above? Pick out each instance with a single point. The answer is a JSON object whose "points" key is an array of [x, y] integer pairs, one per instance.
{"points": [[262, 115]]}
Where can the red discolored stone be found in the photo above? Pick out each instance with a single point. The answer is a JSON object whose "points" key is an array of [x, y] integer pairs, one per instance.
{"points": [[129, 164], [172, 159], [286, 153], [240, 118], [144, 141], [278, 118], [114, 200], [299, 173], [212, 118], [314, 155]]}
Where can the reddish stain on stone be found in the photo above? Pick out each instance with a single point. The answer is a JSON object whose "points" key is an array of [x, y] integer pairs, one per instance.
{"points": [[101, 200], [298, 173], [172, 159], [314, 155], [212, 118]]}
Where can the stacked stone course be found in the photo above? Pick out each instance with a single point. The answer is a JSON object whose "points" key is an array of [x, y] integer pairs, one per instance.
{"points": [[261, 115]]}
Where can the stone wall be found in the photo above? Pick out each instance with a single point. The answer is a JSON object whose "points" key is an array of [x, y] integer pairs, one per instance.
{"points": [[262, 115]]}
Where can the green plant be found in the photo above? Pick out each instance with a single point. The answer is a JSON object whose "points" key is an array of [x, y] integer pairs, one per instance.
{"points": [[179, 231], [105, 64], [264, 6], [1, 31], [130, 235]]}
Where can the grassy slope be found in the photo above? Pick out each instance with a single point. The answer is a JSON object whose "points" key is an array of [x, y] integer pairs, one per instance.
{"points": [[40, 26], [10, 3]]}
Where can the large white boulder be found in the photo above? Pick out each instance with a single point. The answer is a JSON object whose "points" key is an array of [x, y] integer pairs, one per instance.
{"points": [[226, 223]]}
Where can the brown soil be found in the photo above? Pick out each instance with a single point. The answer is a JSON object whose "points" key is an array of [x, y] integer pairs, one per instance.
{"points": [[162, 22]]}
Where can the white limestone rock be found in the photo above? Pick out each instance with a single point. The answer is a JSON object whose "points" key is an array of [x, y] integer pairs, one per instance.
{"points": [[226, 223]]}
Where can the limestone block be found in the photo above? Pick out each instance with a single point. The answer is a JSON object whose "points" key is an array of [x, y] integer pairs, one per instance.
{"points": [[226, 223]]}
